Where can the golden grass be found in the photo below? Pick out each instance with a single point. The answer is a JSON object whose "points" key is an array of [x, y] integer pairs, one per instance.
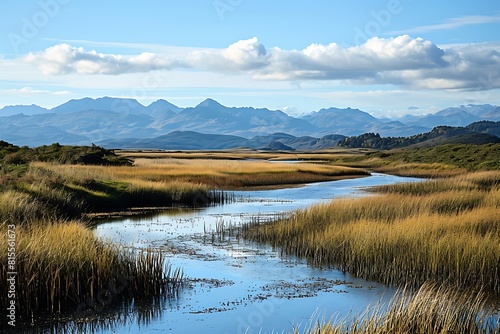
{"points": [[63, 266], [20, 207], [221, 174], [243, 154], [430, 310], [425, 170], [77, 189], [446, 231]]}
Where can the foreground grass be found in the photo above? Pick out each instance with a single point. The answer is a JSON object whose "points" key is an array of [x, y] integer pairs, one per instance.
{"points": [[445, 231], [430, 310], [62, 268]]}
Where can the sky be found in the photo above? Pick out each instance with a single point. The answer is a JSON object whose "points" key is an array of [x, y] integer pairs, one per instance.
{"points": [[386, 57]]}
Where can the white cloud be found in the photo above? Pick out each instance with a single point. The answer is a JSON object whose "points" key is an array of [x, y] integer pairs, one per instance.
{"points": [[403, 61], [243, 55], [65, 59]]}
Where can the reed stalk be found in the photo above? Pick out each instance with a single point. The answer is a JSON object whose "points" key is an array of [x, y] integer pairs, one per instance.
{"points": [[430, 310], [63, 268]]}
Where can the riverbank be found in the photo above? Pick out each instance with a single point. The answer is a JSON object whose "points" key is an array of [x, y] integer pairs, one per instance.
{"points": [[444, 231]]}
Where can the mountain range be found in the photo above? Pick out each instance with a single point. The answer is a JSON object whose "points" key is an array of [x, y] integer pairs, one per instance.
{"points": [[120, 121]]}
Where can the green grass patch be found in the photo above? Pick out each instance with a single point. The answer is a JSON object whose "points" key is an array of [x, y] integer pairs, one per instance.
{"points": [[470, 157]]}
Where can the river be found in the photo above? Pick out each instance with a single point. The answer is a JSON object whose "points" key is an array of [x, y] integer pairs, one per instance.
{"points": [[235, 286]]}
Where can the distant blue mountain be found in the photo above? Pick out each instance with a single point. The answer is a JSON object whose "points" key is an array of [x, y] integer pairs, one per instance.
{"points": [[87, 120], [456, 116], [129, 106], [20, 109]]}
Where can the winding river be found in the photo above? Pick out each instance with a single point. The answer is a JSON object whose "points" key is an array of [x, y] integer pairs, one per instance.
{"points": [[235, 286]]}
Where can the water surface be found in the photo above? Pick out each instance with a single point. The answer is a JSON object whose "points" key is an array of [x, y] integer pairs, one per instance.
{"points": [[236, 286]]}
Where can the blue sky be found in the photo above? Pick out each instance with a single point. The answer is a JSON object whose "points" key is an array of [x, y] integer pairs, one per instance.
{"points": [[387, 57]]}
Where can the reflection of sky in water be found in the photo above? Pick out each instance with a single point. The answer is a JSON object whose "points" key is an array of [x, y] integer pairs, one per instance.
{"points": [[245, 287]]}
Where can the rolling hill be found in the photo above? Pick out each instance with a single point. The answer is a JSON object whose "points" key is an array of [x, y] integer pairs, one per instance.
{"points": [[190, 140], [483, 132]]}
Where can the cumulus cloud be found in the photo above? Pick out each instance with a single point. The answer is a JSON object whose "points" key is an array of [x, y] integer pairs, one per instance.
{"points": [[66, 59], [244, 55], [403, 61]]}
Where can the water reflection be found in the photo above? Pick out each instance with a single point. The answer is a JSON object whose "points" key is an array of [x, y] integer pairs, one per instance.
{"points": [[130, 314]]}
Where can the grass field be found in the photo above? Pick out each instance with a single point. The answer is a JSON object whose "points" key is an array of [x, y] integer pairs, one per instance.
{"points": [[212, 173]]}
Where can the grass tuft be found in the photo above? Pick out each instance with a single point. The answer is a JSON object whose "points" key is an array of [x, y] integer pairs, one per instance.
{"points": [[62, 267], [430, 310]]}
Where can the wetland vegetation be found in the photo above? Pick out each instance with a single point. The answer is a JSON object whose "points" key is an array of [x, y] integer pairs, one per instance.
{"points": [[440, 238], [445, 231]]}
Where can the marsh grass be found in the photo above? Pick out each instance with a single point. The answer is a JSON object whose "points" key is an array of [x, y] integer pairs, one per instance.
{"points": [[445, 231], [334, 153], [237, 174], [71, 190], [430, 310], [62, 268], [17, 207]]}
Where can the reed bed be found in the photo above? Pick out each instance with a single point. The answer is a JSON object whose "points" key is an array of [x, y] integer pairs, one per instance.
{"points": [[445, 231], [245, 154], [231, 174], [424, 170], [62, 268], [72, 190], [214, 174], [430, 310]]}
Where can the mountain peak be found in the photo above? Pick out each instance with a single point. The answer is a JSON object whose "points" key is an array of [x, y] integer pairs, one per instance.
{"points": [[210, 103], [163, 104], [22, 109], [103, 103]]}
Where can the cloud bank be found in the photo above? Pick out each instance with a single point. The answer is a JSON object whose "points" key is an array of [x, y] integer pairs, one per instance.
{"points": [[403, 61]]}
